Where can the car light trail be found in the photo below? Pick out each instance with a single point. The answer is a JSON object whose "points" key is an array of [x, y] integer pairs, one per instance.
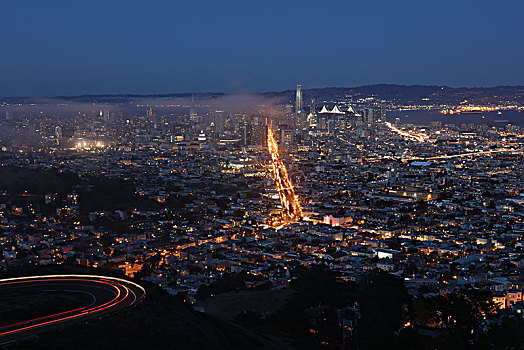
{"points": [[408, 135], [291, 208], [121, 291], [468, 154]]}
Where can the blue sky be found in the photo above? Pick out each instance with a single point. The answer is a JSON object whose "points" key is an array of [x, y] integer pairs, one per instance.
{"points": [[56, 47]]}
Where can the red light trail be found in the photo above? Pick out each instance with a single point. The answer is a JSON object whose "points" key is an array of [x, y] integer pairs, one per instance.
{"points": [[124, 293]]}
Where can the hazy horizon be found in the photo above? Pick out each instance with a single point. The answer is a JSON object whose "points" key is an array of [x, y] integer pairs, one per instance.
{"points": [[291, 88]]}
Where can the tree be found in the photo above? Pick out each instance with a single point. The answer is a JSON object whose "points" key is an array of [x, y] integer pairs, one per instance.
{"points": [[383, 302]]}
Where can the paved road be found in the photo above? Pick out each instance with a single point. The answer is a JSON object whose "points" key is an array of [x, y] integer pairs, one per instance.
{"points": [[107, 294]]}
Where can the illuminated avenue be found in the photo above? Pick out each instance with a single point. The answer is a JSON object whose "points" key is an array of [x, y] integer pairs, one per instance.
{"points": [[108, 295], [291, 208]]}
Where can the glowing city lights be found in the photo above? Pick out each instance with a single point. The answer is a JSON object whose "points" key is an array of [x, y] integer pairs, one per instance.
{"points": [[87, 145]]}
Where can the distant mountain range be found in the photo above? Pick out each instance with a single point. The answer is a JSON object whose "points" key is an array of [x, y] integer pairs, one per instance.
{"points": [[414, 94], [402, 94]]}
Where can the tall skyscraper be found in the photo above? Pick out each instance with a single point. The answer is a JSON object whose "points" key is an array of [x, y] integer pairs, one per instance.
{"points": [[259, 134], [376, 110], [193, 115], [312, 117], [219, 119], [383, 110], [331, 126], [58, 132], [286, 135], [299, 104], [367, 115], [245, 133]]}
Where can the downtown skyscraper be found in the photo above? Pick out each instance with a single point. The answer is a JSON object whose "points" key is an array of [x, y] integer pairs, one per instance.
{"points": [[298, 103]]}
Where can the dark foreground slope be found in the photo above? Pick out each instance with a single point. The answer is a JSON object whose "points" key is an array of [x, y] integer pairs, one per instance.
{"points": [[159, 321]]}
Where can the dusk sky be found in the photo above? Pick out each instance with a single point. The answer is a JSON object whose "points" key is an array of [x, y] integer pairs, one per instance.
{"points": [[70, 47]]}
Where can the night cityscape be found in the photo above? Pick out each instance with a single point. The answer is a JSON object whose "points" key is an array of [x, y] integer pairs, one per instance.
{"points": [[232, 192]]}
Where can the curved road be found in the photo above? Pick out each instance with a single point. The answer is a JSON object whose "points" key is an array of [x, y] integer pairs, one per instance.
{"points": [[107, 294]]}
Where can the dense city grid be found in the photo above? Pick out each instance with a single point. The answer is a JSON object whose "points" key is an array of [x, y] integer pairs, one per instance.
{"points": [[184, 198]]}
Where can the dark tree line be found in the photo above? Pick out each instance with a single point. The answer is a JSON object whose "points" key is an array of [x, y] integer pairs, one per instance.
{"points": [[389, 317]]}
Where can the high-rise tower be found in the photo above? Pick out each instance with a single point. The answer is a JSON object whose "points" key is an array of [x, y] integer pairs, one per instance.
{"points": [[298, 104], [383, 110], [312, 116]]}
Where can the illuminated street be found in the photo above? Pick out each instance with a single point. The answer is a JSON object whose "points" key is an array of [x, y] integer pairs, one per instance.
{"points": [[291, 208]]}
